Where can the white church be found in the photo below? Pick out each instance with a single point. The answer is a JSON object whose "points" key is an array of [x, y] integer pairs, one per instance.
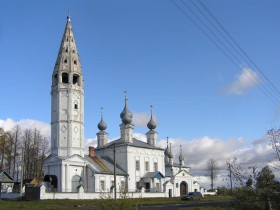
{"points": [[126, 164]]}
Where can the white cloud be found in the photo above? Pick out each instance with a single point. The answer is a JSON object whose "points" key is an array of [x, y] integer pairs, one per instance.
{"points": [[43, 127], [141, 119], [243, 82], [197, 151], [90, 142]]}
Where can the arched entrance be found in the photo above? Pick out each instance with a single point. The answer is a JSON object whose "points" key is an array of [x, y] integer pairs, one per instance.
{"points": [[76, 182], [183, 188]]}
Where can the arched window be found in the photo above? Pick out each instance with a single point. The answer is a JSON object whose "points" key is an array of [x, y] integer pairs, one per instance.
{"points": [[76, 78], [76, 182], [65, 78]]}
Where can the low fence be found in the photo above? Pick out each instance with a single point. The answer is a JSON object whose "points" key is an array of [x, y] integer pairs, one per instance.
{"points": [[9, 195], [81, 194]]}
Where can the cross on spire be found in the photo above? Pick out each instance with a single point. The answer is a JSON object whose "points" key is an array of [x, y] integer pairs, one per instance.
{"points": [[101, 111], [151, 110], [125, 97]]}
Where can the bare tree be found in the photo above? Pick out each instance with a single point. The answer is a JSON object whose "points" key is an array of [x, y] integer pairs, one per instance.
{"points": [[5, 153], [213, 170], [16, 134], [34, 145], [239, 176], [274, 136]]}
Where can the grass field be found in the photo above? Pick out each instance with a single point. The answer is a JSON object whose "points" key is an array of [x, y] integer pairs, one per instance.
{"points": [[208, 208], [107, 204]]}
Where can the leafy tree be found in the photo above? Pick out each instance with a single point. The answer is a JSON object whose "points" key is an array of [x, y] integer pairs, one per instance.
{"points": [[249, 182], [265, 179]]}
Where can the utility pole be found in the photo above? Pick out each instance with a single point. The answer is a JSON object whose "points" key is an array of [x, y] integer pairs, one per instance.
{"points": [[115, 188], [21, 172], [230, 178]]}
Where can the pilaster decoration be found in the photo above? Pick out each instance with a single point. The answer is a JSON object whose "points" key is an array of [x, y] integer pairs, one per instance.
{"points": [[102, 135], [126, 127], [152, 134]]}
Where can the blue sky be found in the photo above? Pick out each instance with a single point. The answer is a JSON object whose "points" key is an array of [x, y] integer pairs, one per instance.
{"points": [[151, 50]]}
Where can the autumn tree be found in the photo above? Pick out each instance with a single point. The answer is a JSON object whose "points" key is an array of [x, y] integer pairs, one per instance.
{"points": [[34, 145], [5, 153]]}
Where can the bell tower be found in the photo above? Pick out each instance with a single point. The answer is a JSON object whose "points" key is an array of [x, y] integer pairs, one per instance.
{"points": [[67, 99]]}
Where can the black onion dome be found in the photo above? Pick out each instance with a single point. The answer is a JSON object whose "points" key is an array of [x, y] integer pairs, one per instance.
{"points": [[181, 157], [170, 155], [151, 124], [102, 125], [166, 151], [127, 117]]}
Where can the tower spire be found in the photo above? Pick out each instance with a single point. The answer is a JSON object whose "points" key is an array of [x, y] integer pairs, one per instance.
{"points": [[181, 157], [152, 134], [102, 125], [126, 127], [166, 152], [67, 92], [126, 115], [170, 155], [102, 135], [68, 16], [151, 124]]}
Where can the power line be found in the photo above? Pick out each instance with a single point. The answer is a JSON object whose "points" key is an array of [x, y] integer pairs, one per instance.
{"points": [[222, 39], [246, 56]]}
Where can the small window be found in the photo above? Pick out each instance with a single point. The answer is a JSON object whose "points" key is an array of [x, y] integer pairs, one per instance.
{"points": [[155, 166], [122, 185], [75, 62], [75, 79], [65, 61], [76, 106], [137, 165], [65, 78], [102, 185], [67, 38], [157, 186], [74, 51], [147, 166]]}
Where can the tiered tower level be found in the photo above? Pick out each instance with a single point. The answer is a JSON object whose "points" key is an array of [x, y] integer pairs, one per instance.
{"points": [[67, 95]]}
